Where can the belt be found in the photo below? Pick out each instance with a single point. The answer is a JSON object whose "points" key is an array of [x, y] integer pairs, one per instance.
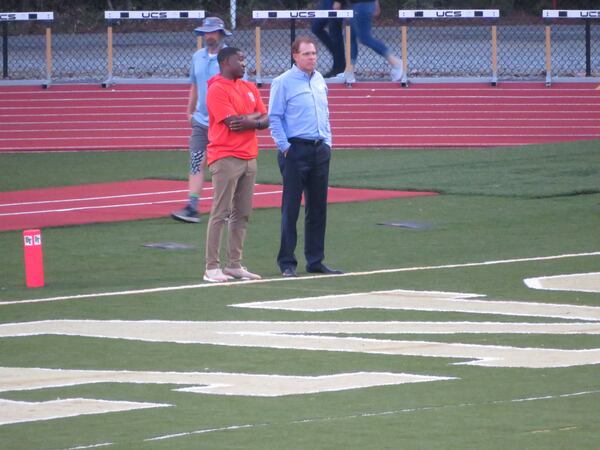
{"points": [[313, 142]]}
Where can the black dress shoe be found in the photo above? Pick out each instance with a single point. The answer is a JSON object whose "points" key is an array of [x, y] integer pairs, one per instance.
{"points": [[290, 272], [322, 268]]}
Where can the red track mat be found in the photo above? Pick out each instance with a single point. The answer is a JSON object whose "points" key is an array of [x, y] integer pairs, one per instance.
{"points": [[132, 200], [146, 117]]}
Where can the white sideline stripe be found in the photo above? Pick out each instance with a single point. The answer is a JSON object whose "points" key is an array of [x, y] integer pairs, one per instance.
{"points": [[300, 279], [376, 414], [164, 147], [83, 447], [124, 205], [208, 430]]}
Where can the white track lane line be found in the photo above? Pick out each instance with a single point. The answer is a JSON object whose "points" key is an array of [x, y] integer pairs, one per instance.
{"points": [[120, 205], [83, 199], [348, 119], [354, 127], [334, 113]]}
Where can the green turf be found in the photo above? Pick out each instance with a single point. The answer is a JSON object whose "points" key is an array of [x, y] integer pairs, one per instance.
{"points": [[534, 171], [497, 204]]}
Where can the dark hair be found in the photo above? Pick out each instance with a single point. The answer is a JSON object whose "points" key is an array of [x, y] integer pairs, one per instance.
{"points": [[302, 40], [225, 53]]}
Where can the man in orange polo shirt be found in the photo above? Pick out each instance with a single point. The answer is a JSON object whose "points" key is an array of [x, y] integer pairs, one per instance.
{"points": [[235, 112]]}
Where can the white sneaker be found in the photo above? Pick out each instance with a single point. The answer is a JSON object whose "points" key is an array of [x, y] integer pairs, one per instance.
{"points": [[241, 274], [349, 77], [216, 276], [396, 73]]}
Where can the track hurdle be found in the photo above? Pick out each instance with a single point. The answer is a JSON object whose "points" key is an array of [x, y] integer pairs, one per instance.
{"points": [[585, 15], [292, 16], [492, 14], [113, 16], [8, 17]]}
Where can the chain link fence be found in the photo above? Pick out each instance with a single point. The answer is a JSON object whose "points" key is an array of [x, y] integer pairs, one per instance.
{"points": [[159, 49]]}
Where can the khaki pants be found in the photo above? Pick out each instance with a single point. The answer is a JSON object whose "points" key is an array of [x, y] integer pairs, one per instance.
{"points": [[233, 188]]}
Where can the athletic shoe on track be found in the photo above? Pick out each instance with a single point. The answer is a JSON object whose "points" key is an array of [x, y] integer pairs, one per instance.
{"points": [[216, 276], [396, 73], [186, 214], [241, 274], [348, 77]]}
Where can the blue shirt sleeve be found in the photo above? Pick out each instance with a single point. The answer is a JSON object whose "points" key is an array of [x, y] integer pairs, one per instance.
{"points": [[277, 105]]}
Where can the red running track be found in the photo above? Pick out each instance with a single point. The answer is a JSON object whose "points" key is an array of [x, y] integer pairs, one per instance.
{"points": [[133, 200], [124, 117]]}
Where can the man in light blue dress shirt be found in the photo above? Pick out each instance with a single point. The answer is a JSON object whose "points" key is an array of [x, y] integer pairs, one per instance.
{"points": [[299, 116]]}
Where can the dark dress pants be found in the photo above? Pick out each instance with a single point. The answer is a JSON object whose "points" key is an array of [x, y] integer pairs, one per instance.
{"points": [[305, 169], [334, 39]]}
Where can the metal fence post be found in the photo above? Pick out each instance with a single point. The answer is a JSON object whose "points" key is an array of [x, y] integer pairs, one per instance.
{"points": [[48, 58], [404, 80], [258, 64], [548, 56], [109, 56], [494, 56], [588, 48], [4, 50]]}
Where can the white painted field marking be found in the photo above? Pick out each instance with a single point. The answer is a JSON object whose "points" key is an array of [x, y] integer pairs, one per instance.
{"points": [[297, 279], [84, 447], [216, 383], [375, 414], [580, 282], [240, 334], [428, 301], [188, 332], [12, 411], [204, 431]]}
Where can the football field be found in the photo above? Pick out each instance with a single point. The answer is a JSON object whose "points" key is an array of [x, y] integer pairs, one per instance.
{"points": [[464, 320]]}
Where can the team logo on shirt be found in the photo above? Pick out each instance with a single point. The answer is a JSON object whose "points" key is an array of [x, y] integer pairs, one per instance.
{"points": [[251, 95]]}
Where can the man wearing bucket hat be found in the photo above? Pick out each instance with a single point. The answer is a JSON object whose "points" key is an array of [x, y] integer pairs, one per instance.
{"points": [[204, 66]]}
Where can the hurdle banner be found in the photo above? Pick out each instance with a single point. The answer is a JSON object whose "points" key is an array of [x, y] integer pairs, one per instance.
{"points": [[156, 15], [8, 17], [304, 14], [25, 16], [292, 16], [571, 14], [450, 14], [582, 14], [115, 16]]}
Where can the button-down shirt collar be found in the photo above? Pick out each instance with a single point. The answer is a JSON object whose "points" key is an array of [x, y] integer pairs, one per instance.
{"points": [[298, 107]]}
